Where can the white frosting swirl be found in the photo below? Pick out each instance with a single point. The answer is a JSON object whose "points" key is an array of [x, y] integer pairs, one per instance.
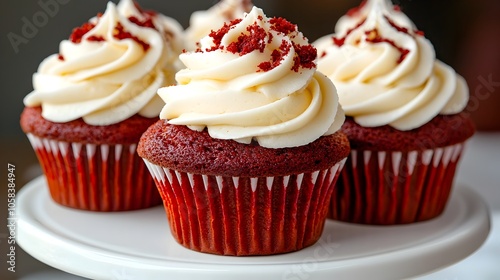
{"points": [[202, 23], [105, 79], [386, 72], [229, 93]]}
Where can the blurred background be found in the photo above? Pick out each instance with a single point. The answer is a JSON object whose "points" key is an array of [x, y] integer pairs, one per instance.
{"points": [[465, 34]]}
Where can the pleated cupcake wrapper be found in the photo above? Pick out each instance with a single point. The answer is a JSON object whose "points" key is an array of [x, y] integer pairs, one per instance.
{"points": [[245, 216], [378, 187], [95, 177]]}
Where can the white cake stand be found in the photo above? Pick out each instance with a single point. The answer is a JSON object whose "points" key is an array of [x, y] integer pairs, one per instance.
{"points": [[138, 245]]}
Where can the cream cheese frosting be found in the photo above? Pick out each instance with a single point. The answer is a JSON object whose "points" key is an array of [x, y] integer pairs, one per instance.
{"points": [[201, 23], [254, 79], [386, 71], [110, 69]]}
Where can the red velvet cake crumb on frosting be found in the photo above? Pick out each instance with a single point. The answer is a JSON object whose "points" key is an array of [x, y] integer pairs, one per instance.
{"points": [[201, 23], [255, 39]]}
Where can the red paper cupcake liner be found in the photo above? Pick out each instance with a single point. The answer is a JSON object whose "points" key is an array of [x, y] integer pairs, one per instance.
{"points": [[386, 188], [95, 177], [245, 216]]}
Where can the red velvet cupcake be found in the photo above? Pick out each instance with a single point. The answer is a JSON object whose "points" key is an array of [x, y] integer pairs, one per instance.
{"points": [[247, 150], [92, 167], [93, 100], [404, 123], [228, 198], [396, 177]]}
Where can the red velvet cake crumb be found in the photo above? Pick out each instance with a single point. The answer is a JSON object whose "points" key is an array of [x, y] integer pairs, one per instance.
{"points": [[374, 37], [419, 33], [255, 39], [276, 57], [79, 32], [219, 34], [148, 22], [119, 32], [403, 29], [340, 41], [305, 57], [95, 38], [248, 43], [395, 26], [282, 25]]}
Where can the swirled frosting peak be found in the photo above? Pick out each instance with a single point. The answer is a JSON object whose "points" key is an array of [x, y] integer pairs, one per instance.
{"points": [[202, 23], [110, 68], [386, 71], [254, 79]]}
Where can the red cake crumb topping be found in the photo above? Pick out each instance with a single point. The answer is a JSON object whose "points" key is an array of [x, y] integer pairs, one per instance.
{"points": [[276, 57], [148, 22], [120, 33], [397, 8], [305, 57], [419, 33], [219, 34], [354, 11], [148, 14], [395, 26], [374, 37], [79, 32], [255, 39], [95, 38], [403, 29], [247, 43], [340, 41], [60, 57], [282, 25]]}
